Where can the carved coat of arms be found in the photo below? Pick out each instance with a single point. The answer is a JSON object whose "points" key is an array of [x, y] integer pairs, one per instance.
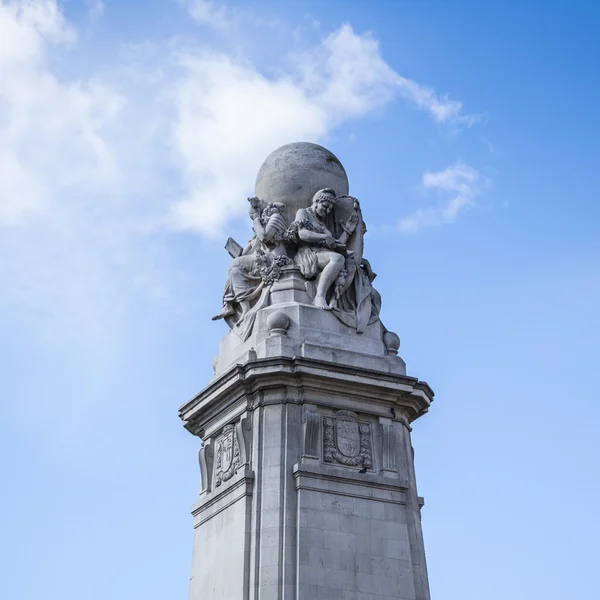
{"points": [[347, 441], [228, 455]]}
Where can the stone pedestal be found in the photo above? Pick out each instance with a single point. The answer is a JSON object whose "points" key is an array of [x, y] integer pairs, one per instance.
{"points": [[308, 488]]}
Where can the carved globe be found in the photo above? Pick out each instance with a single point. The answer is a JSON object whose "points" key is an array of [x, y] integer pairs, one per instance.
{"points": [[277, 323], [293, 173], [391, 341]]}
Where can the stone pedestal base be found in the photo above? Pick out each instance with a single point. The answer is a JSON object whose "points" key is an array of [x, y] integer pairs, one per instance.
{"points": [[312, 333], [308, 485]]}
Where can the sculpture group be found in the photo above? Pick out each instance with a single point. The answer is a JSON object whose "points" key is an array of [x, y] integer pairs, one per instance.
{"points": [[307, 474], [324, 241]]}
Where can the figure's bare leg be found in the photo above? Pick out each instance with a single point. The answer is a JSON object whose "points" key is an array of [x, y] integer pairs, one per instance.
{"points": [[331, 263], [315, 285]]}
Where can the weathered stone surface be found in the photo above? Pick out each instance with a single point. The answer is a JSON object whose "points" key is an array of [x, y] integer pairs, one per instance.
{"points": [[311, 332], [307, 485], [356, 514], [293, 174], [321, 233]]}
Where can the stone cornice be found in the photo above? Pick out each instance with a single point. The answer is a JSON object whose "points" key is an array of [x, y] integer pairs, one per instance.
{"points": [[299, 380]]}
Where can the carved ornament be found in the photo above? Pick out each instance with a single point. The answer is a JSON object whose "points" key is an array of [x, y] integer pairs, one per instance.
{"points": [[346, 440], [227, 455]]}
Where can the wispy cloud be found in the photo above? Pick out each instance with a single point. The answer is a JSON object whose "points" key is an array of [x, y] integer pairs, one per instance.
{"points": [[43, 114], [222, 98], [95, 10], [348, 71], [96, 170], [76, 187], [206, 11], [457, 188], [441, 108]]}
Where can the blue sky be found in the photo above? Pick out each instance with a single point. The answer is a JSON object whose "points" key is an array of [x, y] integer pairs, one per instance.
{"points": [[130, 136]]}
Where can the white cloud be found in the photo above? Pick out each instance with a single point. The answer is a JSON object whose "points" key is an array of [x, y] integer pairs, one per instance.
{"points": [[230, 118], [441, 109], [347, 72], [221, 99], [24, 29], [458, 186], [206, 11], [345, 75], [96, 9], [69, 229], [94, 169], [41, 115]]}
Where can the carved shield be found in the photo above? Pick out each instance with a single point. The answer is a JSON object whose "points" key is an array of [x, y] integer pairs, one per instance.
{"points": [[227, 450], [348, 437]]}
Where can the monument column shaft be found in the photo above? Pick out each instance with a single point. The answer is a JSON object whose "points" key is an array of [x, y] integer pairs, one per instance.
{"points": [[321, 501]]}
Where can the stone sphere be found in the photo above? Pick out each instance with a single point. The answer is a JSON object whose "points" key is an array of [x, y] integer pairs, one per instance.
{"points": [[391, 341], [277, 323], [293, 174]]}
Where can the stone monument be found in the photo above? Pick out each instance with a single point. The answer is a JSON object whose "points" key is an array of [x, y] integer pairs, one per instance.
{"points": [[308, 487]]}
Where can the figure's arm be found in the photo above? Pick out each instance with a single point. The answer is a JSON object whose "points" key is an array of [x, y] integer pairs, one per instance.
{"points": [[306, 235], [256, 207], [259, 229], [302, 229], [349, 227], [274, 227]]}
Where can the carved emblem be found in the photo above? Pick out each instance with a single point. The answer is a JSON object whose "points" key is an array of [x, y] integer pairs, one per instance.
{"points": [[228, 455], [347, 441], [348, 438]]}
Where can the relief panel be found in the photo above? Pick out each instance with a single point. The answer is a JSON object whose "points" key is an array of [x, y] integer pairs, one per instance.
{"points": [[227, 459], [347, 441]]}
